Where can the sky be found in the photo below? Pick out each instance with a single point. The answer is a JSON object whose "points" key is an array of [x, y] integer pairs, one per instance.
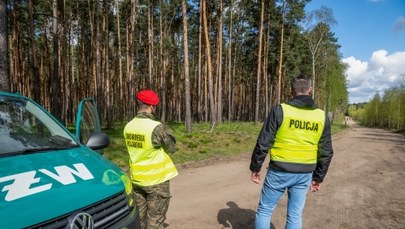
{"points": [[372, 38]]}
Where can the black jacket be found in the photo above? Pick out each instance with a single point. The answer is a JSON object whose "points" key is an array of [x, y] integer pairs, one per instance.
{"points": [[268, 133]]}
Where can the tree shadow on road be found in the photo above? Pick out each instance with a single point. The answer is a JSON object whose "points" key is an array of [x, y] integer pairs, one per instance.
{"points": [[236, 217]]}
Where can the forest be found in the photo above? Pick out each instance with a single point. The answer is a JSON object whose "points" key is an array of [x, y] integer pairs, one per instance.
{"points": [[385, 110], [210, 61]]}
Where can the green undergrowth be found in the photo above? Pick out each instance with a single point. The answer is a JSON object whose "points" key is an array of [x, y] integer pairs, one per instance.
{"points": [[338, 127], [204, 142], [201, 143]]}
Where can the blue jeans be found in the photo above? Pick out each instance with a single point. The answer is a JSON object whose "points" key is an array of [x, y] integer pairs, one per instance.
{"points": [[276, 182]]}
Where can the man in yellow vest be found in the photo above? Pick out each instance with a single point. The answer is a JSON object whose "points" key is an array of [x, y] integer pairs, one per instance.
{"points": [[298, 135], [148, 143]]}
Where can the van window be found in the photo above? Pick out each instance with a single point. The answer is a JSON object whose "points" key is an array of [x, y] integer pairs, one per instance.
{"points": [[25, 128]]}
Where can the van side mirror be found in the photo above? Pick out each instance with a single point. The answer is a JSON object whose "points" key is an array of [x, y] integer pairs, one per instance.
{"points": [[98, 141]]}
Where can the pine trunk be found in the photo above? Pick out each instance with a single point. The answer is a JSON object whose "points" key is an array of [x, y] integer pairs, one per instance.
{"points": [[34, 65], [259, 62], [55, 108], [280, 76], [219, 65], [119, 53], [209, 67], [186, 69], [4, 72], [150, 42]]}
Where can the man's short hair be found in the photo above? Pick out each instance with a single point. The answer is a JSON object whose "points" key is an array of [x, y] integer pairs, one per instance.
{"points": [[301, 84], [141, 104]]}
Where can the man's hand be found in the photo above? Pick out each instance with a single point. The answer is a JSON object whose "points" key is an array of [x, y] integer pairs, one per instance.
{"points": [[255, 177], [315, 186]]}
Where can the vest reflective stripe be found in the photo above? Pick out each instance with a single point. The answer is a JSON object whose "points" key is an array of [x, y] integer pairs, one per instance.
{"points": [[155, 176], [296, 147], [149, 166], [298, 136], [301, 156]]}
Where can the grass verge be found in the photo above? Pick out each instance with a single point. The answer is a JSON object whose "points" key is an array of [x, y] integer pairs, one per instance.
{"points": [[204, 142]]}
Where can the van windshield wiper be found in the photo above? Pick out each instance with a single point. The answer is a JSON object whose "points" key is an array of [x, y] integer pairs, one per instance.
{"points": [[60, 140]]}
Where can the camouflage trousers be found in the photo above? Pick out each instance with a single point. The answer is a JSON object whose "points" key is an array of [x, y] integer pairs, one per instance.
{"points": [[153, 203]]}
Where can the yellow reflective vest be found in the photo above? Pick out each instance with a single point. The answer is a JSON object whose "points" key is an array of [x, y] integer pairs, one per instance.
{"points": [[297, 138], [148, 165]]}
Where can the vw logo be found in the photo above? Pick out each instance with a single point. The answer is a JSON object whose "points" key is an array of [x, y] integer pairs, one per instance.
{"points": [[82, 221]]}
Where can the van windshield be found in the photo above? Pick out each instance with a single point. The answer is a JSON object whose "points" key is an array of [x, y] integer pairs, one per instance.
{"points": [[25, 128]]}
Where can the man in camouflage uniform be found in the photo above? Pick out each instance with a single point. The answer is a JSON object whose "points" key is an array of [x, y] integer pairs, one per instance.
{"points": [[148, 143]]}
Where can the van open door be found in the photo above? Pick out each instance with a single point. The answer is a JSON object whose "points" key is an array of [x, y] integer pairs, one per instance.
{"points": [[88, 130]]}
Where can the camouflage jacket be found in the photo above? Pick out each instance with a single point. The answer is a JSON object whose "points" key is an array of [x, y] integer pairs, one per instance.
{"points": [[160, 135]]}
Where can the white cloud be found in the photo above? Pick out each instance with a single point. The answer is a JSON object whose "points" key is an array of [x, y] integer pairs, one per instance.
{"points": [[356, 70], [381, 72]]}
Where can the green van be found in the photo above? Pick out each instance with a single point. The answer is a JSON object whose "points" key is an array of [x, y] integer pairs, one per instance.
{"points": [[50, 178]]}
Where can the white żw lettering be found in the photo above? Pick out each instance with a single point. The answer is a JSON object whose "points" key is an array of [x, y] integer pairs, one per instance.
{"points": [[21, 185], [65, 174]]}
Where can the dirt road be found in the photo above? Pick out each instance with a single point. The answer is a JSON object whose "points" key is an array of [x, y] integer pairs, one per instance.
{"points": [[365, 188]]}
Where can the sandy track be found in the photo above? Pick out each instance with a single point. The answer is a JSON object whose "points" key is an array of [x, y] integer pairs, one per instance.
{"points": [[365, 188]]}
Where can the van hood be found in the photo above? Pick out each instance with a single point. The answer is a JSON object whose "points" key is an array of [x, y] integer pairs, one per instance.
{"points": [[41, 186]]}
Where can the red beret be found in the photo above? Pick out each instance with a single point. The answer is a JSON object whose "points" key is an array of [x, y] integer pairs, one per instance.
{"points": [[148, 97]]}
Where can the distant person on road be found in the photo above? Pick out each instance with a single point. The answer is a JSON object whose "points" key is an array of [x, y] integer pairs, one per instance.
{"points": [[347, 117], [148, 143], [298, 135]]}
